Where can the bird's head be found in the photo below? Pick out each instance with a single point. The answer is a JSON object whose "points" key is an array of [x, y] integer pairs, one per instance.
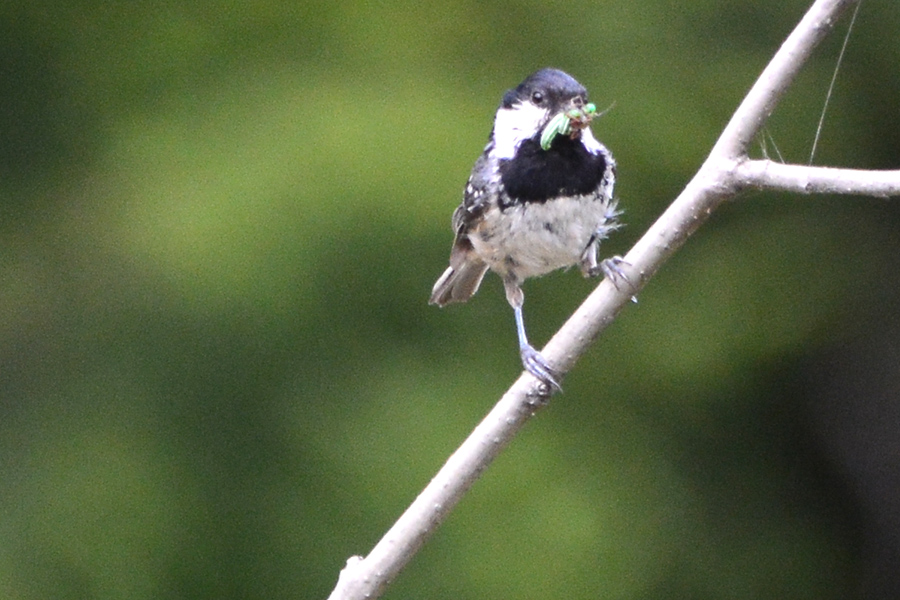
{"points": [[549, 103]]}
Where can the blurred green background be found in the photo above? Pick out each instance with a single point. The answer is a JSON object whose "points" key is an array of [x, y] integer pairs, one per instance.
{"points": [[220, 378]]}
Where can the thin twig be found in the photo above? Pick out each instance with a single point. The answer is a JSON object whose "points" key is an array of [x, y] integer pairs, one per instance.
{"points": [[837, 67]]}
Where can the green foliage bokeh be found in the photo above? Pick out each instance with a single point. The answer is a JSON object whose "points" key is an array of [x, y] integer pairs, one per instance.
{"points": [[219, 376]]}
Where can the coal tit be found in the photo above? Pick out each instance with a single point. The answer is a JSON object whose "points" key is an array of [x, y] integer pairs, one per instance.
{"points": [[540, 198]]}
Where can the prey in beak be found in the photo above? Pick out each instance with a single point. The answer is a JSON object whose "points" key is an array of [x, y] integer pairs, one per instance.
{"points": [[569, 123]]}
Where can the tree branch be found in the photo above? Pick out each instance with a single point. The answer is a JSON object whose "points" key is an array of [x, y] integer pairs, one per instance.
{"points": [[768, 175], [725, 172]]}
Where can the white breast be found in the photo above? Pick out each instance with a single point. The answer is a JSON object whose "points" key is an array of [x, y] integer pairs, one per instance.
{"points": [[533, 239]]}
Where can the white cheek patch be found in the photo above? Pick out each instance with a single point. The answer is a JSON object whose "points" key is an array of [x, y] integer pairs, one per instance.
{"points": [[515, 125]]}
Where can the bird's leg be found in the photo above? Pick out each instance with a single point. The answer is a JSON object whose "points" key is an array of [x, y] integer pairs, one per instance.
{"points": [[533, 361], [589, 266]]}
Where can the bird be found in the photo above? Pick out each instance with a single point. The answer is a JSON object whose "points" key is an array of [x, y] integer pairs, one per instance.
{"points": [[539, 198]]}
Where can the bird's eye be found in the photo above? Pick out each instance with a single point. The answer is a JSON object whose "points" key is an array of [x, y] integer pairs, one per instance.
{"points": [[537, 97]]}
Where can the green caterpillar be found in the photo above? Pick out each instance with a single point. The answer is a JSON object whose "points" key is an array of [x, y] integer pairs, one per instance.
{"points": [[567, 122]]}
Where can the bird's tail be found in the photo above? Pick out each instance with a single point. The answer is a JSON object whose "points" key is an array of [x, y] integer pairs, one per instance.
{"points": [[458, 283]]}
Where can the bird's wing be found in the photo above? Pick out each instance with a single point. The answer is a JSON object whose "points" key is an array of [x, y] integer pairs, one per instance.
{"points": [[480, 189], [466, 270]]}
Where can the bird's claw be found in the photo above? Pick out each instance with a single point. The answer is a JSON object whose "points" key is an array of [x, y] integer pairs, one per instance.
{"points": [[613, 268], [535, 363]]}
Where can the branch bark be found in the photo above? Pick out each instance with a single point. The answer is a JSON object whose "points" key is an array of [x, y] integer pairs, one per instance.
{"points": [[726, 172]]}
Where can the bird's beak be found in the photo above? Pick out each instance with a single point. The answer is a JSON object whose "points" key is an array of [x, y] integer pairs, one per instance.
{"points": [[580, 114], [570, 122]]}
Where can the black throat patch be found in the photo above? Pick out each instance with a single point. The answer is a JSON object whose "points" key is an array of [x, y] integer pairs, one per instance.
{"points": [[566, 169]]}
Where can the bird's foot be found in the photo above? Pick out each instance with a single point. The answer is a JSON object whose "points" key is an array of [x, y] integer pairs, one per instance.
{"points": [[613, 268], [535, 363]]}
